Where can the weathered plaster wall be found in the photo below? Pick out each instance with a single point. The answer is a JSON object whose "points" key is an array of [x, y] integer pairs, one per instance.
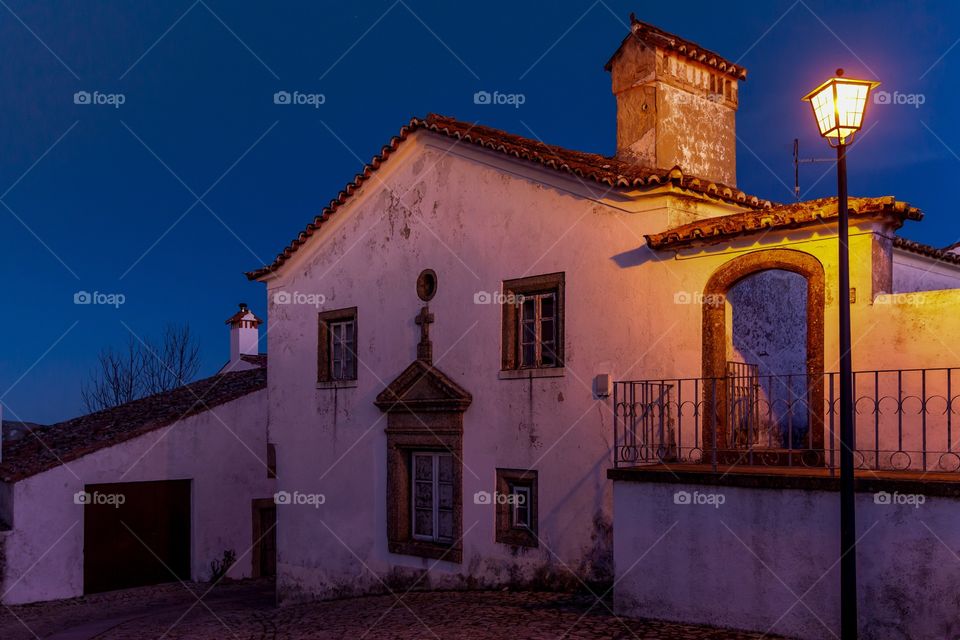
{"points": [[696, 133], [671, 111], [747, 562], [227, 468], [476, 220], [769, 311], [912, 272], [768, 328]]}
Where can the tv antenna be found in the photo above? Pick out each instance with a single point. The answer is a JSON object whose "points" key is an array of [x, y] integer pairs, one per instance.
{"points": [[797, 161]]}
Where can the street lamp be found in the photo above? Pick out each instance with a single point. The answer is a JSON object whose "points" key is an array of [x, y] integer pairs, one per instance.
{"points": [[838, 107]]}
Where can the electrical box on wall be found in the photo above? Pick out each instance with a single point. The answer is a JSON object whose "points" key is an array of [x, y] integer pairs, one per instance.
{"points": [[603, 385]]}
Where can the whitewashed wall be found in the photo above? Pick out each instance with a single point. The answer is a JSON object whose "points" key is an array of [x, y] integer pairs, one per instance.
{"points": [[44, 551], [745, 556], [477, 220], [912, 272]]}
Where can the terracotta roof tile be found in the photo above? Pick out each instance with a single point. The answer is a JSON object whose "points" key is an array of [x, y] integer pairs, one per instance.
{"points": [[66, 441], [260, 359], [655, 36], [946, 255], [713, 230], [594, 167]]}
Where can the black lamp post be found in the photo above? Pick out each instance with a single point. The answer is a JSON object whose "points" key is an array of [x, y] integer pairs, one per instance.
{"points": [[838, 106]]}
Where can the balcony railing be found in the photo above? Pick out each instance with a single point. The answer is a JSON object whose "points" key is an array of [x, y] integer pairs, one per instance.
{"points": [[904, 420]]}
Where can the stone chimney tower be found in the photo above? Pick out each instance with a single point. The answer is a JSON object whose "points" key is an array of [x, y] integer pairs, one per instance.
{"points": [[676, 104], [244, 337]]}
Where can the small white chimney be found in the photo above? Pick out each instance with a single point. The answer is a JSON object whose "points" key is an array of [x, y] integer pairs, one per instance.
{"points": [[244, 335]]}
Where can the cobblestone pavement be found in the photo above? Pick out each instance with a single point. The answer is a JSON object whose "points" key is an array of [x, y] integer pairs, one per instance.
{"points": [[244, 611]]}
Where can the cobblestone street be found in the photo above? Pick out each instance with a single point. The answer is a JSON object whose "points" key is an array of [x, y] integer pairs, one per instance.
{"points": [[244, 611]]}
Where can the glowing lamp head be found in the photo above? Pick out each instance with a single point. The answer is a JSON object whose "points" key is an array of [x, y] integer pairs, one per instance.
{"points": [[839, 105]]}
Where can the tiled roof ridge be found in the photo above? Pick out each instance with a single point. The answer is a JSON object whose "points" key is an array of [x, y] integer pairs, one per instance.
{"points": [[648, 32], [946, 255], [783, 217], [588, 166], [65, 441]]}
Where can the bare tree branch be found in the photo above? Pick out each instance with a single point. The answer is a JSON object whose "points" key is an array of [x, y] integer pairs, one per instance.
{"points": [[171, 363], [142, 369]]}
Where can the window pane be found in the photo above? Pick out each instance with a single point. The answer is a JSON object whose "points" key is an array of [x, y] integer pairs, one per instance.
{"points": [[446, 496], [423, 522], [548, 356], [446, 468], [445, 528], [529, 355], [547, 330], [529, 334], [529, 309], [423, 495], [423, 466], [548, 307], [521, 505], [350, 335]]}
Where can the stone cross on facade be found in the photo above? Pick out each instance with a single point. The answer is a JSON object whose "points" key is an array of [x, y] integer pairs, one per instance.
{"points": [[425, 348]]}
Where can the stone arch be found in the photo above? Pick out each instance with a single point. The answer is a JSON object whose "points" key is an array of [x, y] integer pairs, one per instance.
{"points": [[715, 332]]}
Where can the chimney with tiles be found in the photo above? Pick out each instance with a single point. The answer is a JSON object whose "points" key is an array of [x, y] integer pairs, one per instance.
{"points": [[244, 335], [676, 104]]}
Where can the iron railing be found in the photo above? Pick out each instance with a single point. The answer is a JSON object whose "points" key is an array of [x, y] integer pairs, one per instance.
{"points": [[904, 420]]}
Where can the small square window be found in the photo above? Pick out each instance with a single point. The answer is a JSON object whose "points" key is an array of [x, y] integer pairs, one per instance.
{"points": [[337, 345], [516, 507]]}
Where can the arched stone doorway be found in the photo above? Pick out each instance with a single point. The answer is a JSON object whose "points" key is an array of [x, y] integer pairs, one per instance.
{"points": [[723, 419]]}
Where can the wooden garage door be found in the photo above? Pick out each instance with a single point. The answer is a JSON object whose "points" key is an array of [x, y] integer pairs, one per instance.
{"points": [[135, 533]]}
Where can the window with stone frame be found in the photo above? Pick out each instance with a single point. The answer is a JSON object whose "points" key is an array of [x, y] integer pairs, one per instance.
{"points": [[432, 503], [533, 322], [337, 345], [424, 494], [516, 507]]}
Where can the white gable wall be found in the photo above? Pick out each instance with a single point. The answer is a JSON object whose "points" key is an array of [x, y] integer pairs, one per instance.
{"points": [[912, 272], [227, 467], [476, 219]]}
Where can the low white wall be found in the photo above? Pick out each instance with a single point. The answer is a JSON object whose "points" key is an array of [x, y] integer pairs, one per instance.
{"points": [[767, 560], [44, 551]]}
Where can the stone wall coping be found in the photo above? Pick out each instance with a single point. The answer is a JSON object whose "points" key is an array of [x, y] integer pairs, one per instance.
{"points": [[792, 478]]}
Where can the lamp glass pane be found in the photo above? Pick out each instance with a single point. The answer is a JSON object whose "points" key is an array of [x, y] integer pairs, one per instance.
{"points": [[824, 112], [851, 102]]}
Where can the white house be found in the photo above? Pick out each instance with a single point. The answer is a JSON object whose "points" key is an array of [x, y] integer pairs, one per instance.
{"points": [[448, 334], [495, 362], [151, 491]]}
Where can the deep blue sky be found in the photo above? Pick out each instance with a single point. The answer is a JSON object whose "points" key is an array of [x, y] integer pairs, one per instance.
{"points": [[202, 95]]}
